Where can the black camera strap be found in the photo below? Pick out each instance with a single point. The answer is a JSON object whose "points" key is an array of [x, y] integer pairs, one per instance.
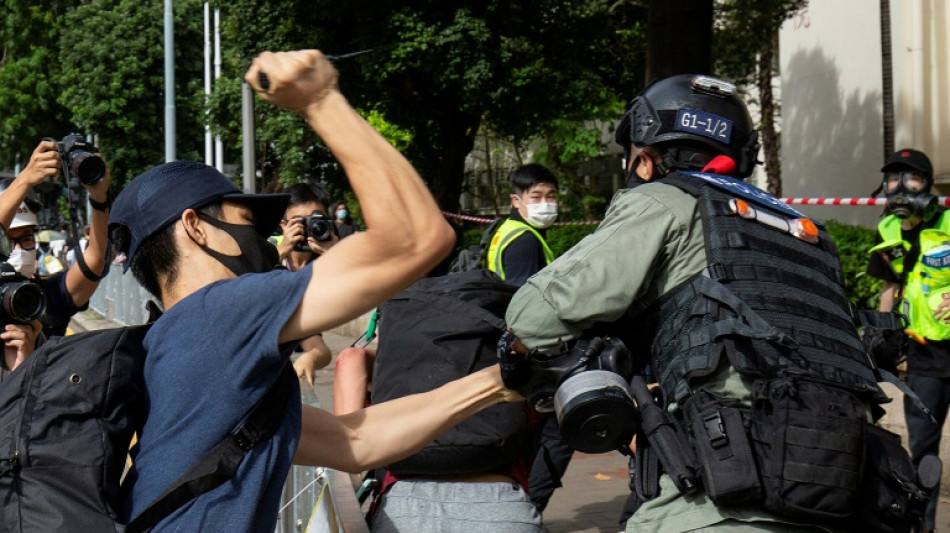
{"points": [[86, 271], [221, 462]]}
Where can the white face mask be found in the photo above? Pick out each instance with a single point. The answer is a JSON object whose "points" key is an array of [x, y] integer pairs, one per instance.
{"points": [[541, 215], [24, 261]]}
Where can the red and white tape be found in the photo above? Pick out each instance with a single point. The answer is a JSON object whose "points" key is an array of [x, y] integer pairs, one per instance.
{"points": [[489, 220], [943, 200]]}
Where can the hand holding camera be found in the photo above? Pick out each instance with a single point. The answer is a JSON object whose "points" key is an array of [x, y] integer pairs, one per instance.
{"points": [[21, 300], [317, 233], [44, 163]]}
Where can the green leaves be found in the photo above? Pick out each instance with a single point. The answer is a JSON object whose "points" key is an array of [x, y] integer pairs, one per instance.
{"points": [[853, 243]]}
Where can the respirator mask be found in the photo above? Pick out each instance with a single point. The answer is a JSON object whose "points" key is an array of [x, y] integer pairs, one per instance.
{"points": [[908, 194], [587, 385]]}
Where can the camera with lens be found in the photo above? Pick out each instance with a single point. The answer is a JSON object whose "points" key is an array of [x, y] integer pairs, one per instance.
{"points": [[587, 385], [21, 300], [80, 160], [317, 225]]}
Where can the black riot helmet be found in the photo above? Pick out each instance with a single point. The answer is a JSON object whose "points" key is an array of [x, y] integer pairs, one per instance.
{"points": [[695, 112]]}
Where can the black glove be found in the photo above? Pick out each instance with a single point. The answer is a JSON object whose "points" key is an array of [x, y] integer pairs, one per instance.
{"points": [[515, 367]]}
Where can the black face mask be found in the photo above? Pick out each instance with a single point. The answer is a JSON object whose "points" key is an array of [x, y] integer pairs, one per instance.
{"points": [[257, 255]]}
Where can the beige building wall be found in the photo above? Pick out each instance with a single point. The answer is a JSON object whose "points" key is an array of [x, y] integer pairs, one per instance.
{"points": [[832, 134], [832, 97], [921, 56]]}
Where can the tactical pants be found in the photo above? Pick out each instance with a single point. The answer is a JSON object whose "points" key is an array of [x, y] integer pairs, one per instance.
{"points": [[924, 435], [549, 464]]}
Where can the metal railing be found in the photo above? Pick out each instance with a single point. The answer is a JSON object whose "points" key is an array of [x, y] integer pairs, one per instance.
{"points": [[121, 299]]}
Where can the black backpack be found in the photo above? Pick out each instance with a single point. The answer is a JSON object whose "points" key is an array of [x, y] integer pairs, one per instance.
{"points": [[67, 417], [437, 330], [476, 255]]}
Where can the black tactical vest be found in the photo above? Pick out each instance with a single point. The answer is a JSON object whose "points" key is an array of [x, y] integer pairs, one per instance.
{"points": [[769, 301]]}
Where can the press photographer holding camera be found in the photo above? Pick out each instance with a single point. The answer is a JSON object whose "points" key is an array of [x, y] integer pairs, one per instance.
{"points": [[307, 230], [67, 292], [307, 234]]}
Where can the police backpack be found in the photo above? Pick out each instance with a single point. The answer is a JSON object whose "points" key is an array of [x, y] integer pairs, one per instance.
{"points": [[437, 330]]}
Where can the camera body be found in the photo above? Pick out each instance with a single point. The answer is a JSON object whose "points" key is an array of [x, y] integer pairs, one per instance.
{"points": [[317, 225], [21, 300], [80, 160]]}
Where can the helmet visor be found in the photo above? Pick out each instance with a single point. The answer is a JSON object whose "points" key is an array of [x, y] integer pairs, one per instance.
{"points": [[908, 181]]}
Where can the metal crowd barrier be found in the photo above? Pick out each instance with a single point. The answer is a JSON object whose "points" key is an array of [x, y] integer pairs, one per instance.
{"points": [[121, 299]]}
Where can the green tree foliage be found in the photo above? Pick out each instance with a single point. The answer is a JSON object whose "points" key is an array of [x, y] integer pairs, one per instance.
{"points": [[853, 243], [112, 80], [438, 71], [29, 65], [746, 50]]}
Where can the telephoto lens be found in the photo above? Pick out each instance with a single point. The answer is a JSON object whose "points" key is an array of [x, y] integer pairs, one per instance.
{"points": [[88, 167], [80, 160], [21, 301]]}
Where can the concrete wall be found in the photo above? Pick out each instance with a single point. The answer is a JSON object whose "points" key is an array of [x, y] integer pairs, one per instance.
{"points": [[832, 97], [832, 141], [921, 57]]}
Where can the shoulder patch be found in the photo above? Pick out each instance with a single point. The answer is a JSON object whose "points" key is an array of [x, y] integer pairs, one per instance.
{"points": [[746, 191]]}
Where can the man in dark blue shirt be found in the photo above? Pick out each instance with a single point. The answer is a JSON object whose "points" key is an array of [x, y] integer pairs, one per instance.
{"points": [[230, 323]]}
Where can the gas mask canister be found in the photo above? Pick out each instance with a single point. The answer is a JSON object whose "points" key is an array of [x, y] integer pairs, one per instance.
{"points": [[908, 194], [588, 388]]}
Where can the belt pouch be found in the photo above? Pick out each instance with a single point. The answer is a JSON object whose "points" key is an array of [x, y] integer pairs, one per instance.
{"points": [[722, 444], [808, 439]]}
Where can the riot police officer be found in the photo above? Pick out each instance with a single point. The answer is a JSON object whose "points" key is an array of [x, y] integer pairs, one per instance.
{"points": [[736, 302]]}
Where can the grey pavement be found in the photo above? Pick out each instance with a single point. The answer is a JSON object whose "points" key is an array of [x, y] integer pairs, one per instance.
{"points": [[595, 486]]}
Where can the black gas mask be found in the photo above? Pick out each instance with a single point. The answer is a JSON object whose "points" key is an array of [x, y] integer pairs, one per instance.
{"points": [[908, 194], [587, 385]]}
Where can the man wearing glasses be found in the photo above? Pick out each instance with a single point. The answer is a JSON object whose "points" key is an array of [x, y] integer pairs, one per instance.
{"points": [[913, 259], [67, 292]]}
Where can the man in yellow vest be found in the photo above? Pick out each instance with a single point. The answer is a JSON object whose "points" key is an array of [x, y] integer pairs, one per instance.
{"points": [[517, 251], [913, 259], [518, 248]]}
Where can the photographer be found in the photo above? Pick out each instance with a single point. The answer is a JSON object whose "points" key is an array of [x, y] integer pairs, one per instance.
{"points": [[67, 292], [298, 248]]}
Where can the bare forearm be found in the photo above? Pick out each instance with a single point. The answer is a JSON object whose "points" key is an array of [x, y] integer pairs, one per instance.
{"points": [[888, 296], [10, 200], [80, 287], [389, 431]]}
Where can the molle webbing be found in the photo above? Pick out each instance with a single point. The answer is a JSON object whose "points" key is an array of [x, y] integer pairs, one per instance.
{"points": [[768, 301]]}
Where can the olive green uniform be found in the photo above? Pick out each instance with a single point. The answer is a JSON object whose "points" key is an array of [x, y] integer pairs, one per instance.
{"points": [[650, 241]]}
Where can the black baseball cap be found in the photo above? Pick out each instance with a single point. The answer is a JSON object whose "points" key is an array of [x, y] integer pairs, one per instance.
{"points": [[158, 196], [909, 158]]}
